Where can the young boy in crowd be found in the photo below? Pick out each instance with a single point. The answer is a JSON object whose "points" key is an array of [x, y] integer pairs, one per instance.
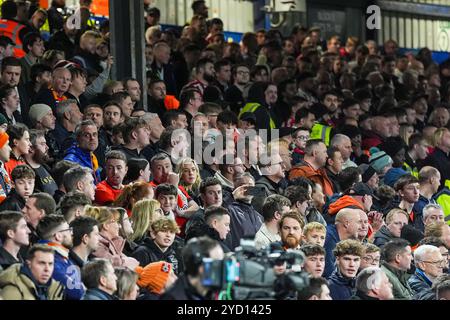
{"points": [[166, 194], [159, 247], [315, 259]]}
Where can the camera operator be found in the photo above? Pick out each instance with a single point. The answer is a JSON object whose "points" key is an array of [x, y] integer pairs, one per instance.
{"points": [[189, 286]]}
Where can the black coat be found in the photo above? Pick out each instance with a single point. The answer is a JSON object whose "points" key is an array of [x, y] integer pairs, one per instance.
{"points": [[202, 229], [149, 252], [13, 202], [341, 288], [245, 222], [6, 259], [182, 290]]}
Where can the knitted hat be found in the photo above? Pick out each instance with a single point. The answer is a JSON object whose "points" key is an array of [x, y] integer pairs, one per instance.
{"points": [[37, 112], [4, 138], [367, 172], [154, 276], [391, 177], [379, 160]]}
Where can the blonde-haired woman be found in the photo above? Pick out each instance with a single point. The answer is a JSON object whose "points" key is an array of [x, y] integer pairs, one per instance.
{"points": [[144, 213], [190, 179], [406, 131], [111, 244]]}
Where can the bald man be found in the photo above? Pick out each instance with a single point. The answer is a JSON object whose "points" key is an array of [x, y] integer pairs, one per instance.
{"points": [[347, 224]]}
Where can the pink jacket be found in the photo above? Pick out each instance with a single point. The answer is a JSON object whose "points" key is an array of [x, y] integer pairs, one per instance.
{"points": [[112, 250]]}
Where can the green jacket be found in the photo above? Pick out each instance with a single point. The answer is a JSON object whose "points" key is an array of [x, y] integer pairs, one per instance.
{"points": [[15, 285], [399, 280]]}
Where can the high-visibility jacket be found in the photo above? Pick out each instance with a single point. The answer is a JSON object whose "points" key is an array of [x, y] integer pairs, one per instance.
{"points": [[11, 29], [252, 107], [413, 171], [322, 132]]}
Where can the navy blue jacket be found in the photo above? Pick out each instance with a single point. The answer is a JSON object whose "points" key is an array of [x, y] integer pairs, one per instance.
{"points": [[421, 286], [331, 239], [341, 288]]}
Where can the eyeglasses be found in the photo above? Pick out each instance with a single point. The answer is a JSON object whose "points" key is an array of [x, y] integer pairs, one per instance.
{"points": [[371, 260], [439, 263], [304, 138]]}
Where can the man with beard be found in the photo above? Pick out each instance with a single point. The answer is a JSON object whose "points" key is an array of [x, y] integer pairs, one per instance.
{"points": [[190, 102], [156, 94], [116, 168], [41, 118], [234, 94], [291, 226], [56, 233], [204, 75], [136, 135], [37, 159]]}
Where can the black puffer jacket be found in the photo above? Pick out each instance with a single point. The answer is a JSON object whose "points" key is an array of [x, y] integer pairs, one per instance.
{"points": [[421, 286], [149, 252]]}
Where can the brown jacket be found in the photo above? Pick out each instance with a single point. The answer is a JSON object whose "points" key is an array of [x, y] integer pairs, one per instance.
{"points": [[17, 286], [304, 169]]}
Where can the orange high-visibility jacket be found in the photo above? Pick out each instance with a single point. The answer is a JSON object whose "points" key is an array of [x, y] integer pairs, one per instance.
{"points": [[11, 29]]}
